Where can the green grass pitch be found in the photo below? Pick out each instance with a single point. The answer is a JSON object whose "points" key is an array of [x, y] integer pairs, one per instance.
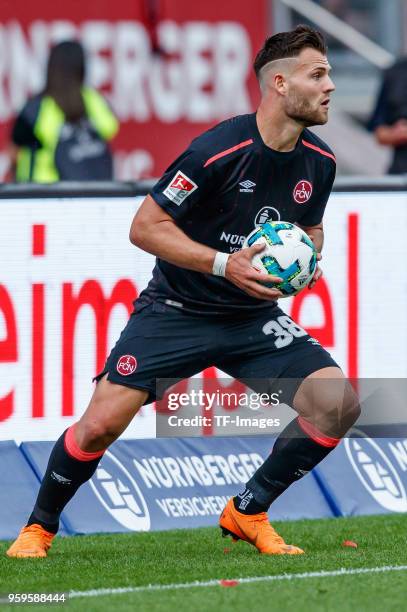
{"points": [[83, 563]]}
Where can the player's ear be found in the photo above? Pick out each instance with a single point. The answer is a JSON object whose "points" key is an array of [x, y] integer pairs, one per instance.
{"points": [[280, 83]]}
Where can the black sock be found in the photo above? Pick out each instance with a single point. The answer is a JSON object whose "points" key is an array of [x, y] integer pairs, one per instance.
{"points": [[63, 477], [294, 454]]}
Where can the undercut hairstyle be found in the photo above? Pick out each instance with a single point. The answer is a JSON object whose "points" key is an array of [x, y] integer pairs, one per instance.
{"points": [[289, 44]]}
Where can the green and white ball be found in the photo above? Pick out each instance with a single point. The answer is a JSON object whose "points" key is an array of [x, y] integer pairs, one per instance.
{"points": [[289, 254]]}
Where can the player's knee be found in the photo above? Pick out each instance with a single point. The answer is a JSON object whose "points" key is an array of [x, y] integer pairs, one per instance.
{"points": [[351, 410], [95, 435], [333, 410], [341, 413]]}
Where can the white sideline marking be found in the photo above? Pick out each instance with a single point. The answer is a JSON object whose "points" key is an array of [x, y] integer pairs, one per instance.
{"points": [[209, 583]]}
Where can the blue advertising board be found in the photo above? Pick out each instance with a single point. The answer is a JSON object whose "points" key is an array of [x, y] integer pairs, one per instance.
{"points": [[365, 475], [144, 485], [18, 490]]}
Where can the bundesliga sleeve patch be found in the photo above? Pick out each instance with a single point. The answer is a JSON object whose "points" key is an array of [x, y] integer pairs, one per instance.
{"points": [[180, 188]]}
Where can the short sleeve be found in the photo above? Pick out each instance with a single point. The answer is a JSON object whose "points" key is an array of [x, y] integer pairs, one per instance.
{"points": [[188, 181], [314, 215]]}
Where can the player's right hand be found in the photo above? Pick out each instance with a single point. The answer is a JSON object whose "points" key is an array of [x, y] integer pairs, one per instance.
{"points": [[240, 272]]}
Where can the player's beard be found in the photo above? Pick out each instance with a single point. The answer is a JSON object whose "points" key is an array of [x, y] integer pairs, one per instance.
{"points": [[299, 108]]}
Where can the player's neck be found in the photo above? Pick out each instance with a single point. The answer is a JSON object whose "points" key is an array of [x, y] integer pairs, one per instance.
{"points": [[277, 131]]}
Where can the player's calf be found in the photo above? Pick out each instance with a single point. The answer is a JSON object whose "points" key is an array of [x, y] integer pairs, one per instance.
{"points": [[68, 468], [74, 460], [301, 445]]}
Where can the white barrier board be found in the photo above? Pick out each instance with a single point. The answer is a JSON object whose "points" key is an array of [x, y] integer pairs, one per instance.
{"points": [[68, 274]]}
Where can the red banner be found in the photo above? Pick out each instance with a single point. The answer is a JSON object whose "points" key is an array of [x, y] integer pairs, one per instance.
{"points": [[170, 68]]}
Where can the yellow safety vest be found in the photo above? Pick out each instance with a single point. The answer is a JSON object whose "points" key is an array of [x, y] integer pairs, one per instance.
{"points": [[39, 165]]}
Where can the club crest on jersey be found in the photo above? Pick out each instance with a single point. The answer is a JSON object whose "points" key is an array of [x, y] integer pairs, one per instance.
{"points": [[126, 365], [302, 191], [180, 188]]}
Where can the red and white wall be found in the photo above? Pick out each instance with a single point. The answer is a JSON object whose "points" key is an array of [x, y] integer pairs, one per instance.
{"points": [[69, 274]]}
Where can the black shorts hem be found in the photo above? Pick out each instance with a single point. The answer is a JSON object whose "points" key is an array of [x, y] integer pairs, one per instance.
{"points": [[140, 387], [300, 372]]}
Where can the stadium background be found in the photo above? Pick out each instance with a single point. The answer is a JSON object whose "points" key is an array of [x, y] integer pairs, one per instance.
{"points": [[171, 69]]}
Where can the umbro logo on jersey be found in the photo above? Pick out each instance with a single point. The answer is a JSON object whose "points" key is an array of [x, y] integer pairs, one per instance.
{"points": [[247, 186], [180, 188]]}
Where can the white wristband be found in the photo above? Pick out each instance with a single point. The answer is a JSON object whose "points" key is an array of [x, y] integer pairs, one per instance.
{"points": [[219, 263]]}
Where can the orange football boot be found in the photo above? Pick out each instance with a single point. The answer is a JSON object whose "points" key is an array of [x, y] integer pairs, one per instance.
{"points": [[255, 529], [32, 541]]}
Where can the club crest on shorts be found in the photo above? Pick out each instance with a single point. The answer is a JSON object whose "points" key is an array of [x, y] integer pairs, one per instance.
{"points": [[180, 188], [302, 191], [126, 365]]}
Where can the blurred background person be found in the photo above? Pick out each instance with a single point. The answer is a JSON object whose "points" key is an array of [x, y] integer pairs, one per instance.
{"points": [[389, 118], [63, 132]]}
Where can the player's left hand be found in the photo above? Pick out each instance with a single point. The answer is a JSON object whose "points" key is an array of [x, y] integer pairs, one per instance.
{"points": [[318, 273]]}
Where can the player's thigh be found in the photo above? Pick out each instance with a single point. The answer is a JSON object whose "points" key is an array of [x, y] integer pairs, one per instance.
{"points": [[111, 409], [270, 352], [158, 344]]}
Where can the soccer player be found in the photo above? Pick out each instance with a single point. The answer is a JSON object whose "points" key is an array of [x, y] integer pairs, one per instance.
{"points": [[206, 305]]}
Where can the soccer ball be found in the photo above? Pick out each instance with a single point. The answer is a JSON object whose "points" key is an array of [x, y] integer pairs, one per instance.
{"points": [[289, 253]]}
